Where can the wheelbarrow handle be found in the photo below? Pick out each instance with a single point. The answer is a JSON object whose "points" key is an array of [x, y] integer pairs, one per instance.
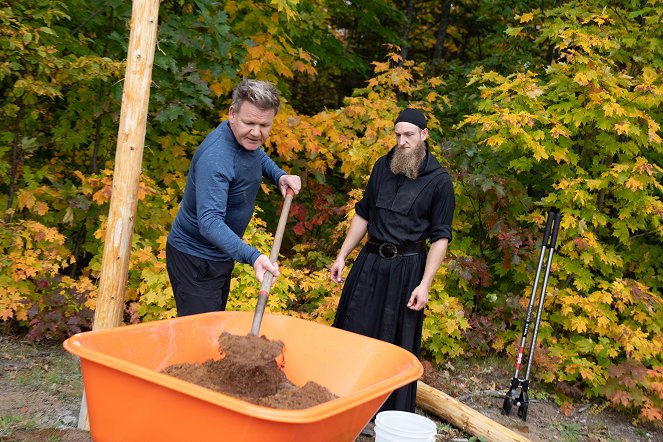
{"points": [[273, 256]]}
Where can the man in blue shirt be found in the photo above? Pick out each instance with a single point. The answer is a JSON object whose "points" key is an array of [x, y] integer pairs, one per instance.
{"points": [[219, 199]]}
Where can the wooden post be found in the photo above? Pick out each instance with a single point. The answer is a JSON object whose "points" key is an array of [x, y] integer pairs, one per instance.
{"points": [[464, 417], [126, 176]]}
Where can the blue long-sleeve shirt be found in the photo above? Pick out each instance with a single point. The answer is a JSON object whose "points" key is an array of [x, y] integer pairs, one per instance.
{"points": [[219, 198]]}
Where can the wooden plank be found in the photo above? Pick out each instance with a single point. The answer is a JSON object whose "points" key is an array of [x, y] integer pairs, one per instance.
{"points": [[463, 417], [126, 176]]}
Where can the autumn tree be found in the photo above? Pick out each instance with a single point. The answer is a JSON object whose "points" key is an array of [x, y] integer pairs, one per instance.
{"points": [[582, 134]]}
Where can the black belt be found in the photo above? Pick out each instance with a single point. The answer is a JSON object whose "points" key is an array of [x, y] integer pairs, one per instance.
{"points": [[389, 250]]}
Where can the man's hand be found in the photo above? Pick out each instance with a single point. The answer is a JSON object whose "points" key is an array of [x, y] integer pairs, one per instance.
{"points": [[418, 298], [262, 265], [336, 271], [291, 181]]}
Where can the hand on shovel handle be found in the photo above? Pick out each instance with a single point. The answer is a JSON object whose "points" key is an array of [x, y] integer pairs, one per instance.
{"points": [[273, 256]]}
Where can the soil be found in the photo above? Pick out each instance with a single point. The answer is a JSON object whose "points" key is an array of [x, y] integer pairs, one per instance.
{"points": [[41, 397], [250, 368]]}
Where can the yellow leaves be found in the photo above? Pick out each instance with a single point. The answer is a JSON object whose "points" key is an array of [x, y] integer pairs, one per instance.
{"points": [[634, 183], [25, 268], [251, 67], [495, 140], [102, 196], [599, 19], [527, 17], [652, 130], [579, 324], [538, 150], [142, 255], [612, 108], [41, 232], [623, 128], [587, 373], [373, 82], [568, 303], [40, 208], [287, 6], [533, 92], [560, 155], [487, 126], [222, 87], [649, 75], [581, 197], [566, 183], [602, 323], [381, 67], [400, 77], [595, 184], [435, 82], [26, 200], [395, 57], [581, 78]]}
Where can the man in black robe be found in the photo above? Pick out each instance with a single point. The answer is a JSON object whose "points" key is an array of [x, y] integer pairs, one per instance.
{"points": [[408, 200]]}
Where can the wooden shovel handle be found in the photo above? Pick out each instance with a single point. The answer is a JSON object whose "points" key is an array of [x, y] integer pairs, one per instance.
{"points": [[273, 256]]}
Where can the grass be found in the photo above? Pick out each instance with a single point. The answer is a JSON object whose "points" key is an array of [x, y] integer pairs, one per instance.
{"points": [[45, 367], [11, 422], [571, 432], [60, 376]]}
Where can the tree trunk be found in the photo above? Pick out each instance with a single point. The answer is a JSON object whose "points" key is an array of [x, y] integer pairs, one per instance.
{"points": [[409, 17], [97, 134], [13, 173], [128, 160], [97, 128], [126, 176], [464, 417], [438, 49]]}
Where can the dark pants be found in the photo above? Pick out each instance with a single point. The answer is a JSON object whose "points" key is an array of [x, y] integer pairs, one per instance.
{"points": [[199, 285]]}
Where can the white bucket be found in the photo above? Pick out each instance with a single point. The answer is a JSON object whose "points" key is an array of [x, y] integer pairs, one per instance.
{"points": [[401, 426]]}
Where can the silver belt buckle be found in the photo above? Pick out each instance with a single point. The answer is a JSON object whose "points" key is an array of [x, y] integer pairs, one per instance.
{"points": [[388, 250]]}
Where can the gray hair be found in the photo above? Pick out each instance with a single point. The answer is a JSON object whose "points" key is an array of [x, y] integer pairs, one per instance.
{"points": [[261, 94]]}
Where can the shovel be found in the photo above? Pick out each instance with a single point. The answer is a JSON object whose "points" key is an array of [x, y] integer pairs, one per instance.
{"points": [[252, 358], [273, 256]]}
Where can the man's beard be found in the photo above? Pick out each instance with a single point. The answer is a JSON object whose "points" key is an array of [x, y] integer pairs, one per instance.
{"points": [[407, 161]]}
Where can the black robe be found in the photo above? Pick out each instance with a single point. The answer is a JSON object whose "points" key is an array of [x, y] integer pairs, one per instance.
{"points": [[374, 298]]}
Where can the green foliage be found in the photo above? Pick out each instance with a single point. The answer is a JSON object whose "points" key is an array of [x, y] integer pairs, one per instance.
{"points": [[584, 133], [297, 291], [444, 324]]}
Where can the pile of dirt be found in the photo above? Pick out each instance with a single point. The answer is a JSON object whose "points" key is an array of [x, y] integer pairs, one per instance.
{"points": [[250, 368]]}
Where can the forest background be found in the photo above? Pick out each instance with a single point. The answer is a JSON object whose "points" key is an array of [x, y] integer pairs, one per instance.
{"points": [[531, 105]]}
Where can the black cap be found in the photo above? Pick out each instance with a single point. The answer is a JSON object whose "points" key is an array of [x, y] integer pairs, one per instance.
{"points": [[414, 116]]}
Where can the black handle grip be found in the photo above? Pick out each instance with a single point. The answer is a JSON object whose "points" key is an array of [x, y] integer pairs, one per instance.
{"points": [[558, 217], [546, 233]]}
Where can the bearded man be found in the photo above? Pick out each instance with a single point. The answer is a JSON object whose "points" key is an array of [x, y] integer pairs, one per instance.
{"points": [[409, 200]]}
